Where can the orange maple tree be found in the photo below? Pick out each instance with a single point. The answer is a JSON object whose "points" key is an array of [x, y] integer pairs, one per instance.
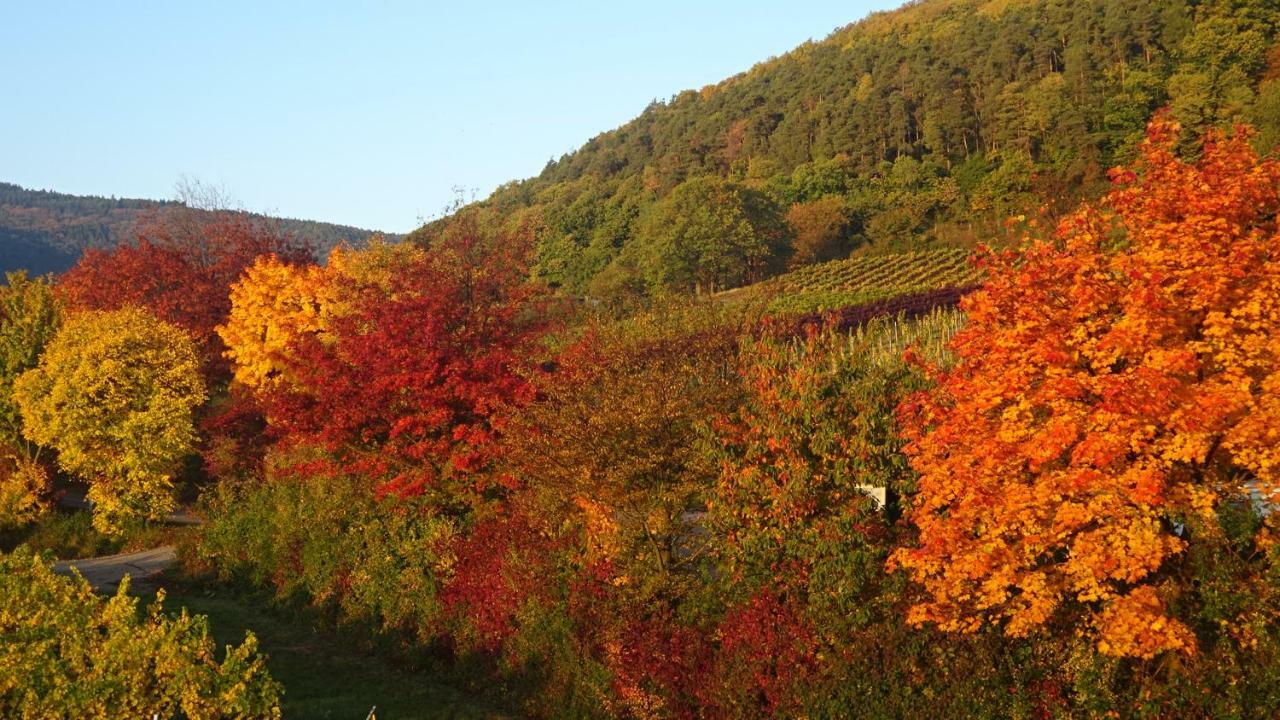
{"points": [[1115, 383]]}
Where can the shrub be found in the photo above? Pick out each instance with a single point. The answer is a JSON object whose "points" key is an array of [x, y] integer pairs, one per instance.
{"points": [[324, 537], [24, 483], [68, 653]]}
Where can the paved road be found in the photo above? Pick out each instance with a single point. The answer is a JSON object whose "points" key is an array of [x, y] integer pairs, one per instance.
{"points": [[105, 573]]}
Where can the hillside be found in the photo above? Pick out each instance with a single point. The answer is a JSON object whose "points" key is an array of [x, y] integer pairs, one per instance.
{"points": [[44, 231], [924, 126], [844, 283]]}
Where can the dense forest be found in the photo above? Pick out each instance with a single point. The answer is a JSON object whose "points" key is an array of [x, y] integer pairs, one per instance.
{"points": [[931, 124], [43, 231]]}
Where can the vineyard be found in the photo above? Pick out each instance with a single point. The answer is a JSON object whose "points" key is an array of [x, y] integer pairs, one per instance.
{"points": [[904, 308], [859, 280]]}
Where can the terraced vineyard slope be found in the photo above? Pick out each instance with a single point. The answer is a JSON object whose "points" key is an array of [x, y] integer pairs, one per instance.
{"points": [[859, 280]]}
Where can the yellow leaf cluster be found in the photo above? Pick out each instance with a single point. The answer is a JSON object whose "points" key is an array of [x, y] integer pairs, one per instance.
{"points": [[115, 394], [68, 653], [276, 303], [23, 483]]}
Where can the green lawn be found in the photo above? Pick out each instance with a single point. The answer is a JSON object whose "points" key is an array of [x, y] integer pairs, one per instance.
{"points": [[325, 674]]}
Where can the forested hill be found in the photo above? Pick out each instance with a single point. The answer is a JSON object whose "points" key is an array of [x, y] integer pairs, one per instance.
{"points": [[930, 124], [43, 231]]}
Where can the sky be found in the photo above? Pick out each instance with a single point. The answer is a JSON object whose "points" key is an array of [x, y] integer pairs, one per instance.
{"points": [[370, 114]]}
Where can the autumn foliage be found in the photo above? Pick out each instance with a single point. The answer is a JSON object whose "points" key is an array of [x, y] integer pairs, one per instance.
{"points": [[115, 393], [1115, 386], [688, 511], [69, 652], [393, 360], [180, 267]]}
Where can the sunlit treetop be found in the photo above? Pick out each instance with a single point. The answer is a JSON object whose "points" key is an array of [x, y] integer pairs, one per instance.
{"points": [[1115, 383]]}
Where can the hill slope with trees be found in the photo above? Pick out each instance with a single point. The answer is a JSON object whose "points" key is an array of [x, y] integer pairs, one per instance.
{"points": [[927, 125], [44, 231]]}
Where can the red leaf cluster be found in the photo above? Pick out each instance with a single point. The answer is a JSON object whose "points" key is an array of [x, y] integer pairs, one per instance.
{"points": [[180, 267]]}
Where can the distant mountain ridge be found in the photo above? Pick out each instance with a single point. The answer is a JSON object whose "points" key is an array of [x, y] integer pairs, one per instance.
{"points": [[43, 231]]}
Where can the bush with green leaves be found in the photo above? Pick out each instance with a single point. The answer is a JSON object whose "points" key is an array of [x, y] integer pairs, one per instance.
{"points": [[68, 653]]}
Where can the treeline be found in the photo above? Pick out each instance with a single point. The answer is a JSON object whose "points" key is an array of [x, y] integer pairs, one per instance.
{"points": [[42, 231], [930, 124]]}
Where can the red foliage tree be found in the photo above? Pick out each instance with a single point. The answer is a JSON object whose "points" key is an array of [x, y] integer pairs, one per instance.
{"points": [[180, 267], [407, 385]]}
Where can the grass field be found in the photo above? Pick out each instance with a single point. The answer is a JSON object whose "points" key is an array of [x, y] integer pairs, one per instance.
{"points": [[328, 673]]}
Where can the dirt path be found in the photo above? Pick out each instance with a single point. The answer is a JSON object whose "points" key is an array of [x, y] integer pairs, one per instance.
{"points": [[105, 573]]}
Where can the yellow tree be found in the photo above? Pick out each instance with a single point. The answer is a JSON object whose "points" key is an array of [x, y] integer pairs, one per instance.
{"points": [[29, 318], [272, 304], [275, 303], [1114, 385], [114, 394]]}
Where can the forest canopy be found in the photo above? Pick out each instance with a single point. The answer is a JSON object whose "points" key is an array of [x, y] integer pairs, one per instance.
{"points": [[931, 124]]}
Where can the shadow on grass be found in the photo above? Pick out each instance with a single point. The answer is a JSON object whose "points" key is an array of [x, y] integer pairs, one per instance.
{"points": [[68, 534], [335, 673]]}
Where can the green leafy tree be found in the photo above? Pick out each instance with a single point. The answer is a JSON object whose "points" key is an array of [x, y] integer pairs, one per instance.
{"points": [[114, 394], [1269, 115], [711, 233]]}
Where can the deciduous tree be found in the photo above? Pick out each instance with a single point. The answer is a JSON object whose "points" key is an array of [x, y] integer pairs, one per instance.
{"points": [[1116, 383], [30, 315], [114, 394], [821, 229], [407, 376], [709, 233]]}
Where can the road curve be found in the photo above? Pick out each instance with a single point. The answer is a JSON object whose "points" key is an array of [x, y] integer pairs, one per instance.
{"points": [[105, 573]]}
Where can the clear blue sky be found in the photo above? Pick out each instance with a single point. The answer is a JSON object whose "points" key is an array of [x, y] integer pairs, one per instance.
{"points": [[364, 113]]}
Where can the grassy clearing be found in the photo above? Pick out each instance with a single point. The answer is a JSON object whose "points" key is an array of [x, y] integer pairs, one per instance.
{"points": [[328, 673]]}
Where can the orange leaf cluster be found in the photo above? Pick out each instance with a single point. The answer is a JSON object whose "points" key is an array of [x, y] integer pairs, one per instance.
{"points": [[1113, 385]]}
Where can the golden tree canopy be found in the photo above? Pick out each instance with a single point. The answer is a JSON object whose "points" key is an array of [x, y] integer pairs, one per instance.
{"points": [[114, 394]]}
